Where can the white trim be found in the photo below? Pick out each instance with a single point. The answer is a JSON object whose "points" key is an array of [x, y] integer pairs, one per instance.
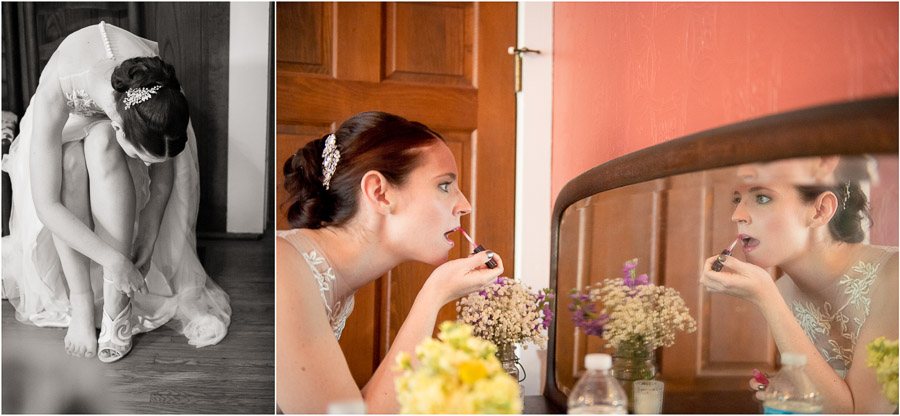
{"points": [[248, 76], [534, 117]]}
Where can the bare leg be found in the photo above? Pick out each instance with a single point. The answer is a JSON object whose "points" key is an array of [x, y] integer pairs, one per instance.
{"points": [[112, 202], [81, 337]]}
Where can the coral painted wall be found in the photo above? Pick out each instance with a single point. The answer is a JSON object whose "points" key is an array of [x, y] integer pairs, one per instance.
{"points": [[630, 75]]}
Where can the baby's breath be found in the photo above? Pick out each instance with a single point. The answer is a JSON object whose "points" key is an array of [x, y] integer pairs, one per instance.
{"points": [[634, 311], [508, 312]]}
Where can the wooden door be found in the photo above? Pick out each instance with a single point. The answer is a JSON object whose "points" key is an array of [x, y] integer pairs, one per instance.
{"points": [[442, 64], [193, 37]]}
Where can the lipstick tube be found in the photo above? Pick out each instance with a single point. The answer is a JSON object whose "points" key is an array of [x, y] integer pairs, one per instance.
{"points": [[720, 261], [478, 248], [491, 263]]}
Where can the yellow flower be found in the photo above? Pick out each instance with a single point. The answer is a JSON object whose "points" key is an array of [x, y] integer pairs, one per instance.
{"points": [[472, 371], [882, 355], [458, 374]]}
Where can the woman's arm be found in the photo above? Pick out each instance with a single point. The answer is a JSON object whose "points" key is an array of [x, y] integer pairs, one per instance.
{"points": [[450, 281], [162, 176], [755, 285], [312, 371], [882, 322], [50, 115]]}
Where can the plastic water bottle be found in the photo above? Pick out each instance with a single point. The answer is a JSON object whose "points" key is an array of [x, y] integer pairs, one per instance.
{"points": [[597, 391], [792, 390]]}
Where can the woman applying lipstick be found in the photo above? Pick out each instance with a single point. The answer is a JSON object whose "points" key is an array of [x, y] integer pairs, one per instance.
{"points": [[377, 192], [836, 295]]}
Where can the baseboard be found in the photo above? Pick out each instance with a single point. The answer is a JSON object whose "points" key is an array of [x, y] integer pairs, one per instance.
{"points": [[212, 235]]}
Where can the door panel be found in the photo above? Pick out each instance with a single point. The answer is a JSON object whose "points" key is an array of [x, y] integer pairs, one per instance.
{"points": [[422, 61]]}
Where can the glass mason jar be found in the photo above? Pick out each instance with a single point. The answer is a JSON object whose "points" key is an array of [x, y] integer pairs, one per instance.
{"points": [[506, 353], [631, 362]]}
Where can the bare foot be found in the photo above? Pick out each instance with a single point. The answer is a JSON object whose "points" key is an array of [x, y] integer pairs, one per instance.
{"points": [[81, 338]]}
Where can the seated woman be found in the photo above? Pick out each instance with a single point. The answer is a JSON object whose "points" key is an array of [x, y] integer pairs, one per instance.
{"points": [[836, 295], [104, 176], [377, 192]]}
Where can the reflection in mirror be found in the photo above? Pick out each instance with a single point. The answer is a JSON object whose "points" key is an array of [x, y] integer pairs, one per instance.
{"points": [[675, 224]]}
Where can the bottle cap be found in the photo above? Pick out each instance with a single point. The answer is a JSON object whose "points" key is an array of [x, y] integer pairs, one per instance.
{"points": [[793, 358], [597, 362], [344, 407]]}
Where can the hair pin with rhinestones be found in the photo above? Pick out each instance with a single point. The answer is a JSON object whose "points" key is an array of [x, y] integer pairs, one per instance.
{"points": [[330, 158], [135, 96]]}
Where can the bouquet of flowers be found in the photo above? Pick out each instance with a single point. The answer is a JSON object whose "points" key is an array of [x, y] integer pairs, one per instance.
{"points": [[457, 374], [634, 311], [883, 357], [508, 312]]}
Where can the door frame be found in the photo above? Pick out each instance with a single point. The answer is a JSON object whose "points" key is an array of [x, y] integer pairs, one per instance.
{"points": [[534, 131]]}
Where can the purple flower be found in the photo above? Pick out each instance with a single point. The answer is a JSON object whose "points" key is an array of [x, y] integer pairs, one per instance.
{"points": [[630, 280], [643, 279], [633, 282], [548, 317], [629, 266]]}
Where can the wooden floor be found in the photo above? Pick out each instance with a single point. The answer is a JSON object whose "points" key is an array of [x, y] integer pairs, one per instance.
{"points": [[163, 374]]}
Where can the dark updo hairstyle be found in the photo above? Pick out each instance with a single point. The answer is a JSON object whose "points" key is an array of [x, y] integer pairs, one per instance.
{"points": [[367, 141], [846, 224], [159, 124]]}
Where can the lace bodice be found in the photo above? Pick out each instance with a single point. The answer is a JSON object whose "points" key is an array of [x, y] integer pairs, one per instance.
{"points": [[834, 326], [337, 309], [78, 100], [83, 64]]}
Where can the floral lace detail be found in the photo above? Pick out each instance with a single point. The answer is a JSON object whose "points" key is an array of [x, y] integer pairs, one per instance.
{"points": [[817, 323], [80, 103], [338, 311]]}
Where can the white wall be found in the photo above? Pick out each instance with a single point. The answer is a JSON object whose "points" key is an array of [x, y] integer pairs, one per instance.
{"points": [[248, 72], [534, 118]]}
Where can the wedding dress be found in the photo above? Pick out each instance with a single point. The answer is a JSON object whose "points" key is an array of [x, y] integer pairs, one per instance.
{"points": [[180, 292], [834, 326], [337, 309]]}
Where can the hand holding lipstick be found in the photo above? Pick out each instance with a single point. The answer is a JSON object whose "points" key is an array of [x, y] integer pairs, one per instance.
{"points": [[744, 280], [758, 383], [460, 277], [478, 248]]}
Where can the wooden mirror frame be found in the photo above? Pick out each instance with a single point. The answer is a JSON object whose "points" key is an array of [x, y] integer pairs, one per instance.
{"points": [[823, 130]]}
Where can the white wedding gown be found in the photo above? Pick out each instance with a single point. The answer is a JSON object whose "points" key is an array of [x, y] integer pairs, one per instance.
{"points": [[180, 292]]}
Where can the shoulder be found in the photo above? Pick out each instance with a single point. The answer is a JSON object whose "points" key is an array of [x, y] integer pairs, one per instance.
{"points": [[786, 287], [885, 289], [289, 257], [295, 285]]}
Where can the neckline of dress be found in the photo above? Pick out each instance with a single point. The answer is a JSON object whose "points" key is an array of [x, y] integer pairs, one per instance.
{"points": [[321, 252]]}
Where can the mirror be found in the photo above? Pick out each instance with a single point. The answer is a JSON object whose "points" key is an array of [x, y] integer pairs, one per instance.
{"points": [[671, 206]]}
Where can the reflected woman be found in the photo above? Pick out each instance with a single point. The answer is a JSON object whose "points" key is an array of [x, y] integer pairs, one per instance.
{"points": [[836, 295]]}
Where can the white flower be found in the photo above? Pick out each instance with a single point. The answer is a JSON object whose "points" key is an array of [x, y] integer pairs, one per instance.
{"points": [[205, 330]]}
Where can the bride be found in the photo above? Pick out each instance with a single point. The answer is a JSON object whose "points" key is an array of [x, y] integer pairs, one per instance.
{"points": [[379, 191], [105, 198]]}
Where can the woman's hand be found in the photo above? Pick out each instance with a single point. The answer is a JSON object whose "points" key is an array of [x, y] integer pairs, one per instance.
{"points": [[125, 277], [746, 281], [460, 277], [760, 389]]}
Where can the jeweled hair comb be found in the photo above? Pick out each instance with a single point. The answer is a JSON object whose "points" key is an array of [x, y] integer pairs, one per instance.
{"points": [[135, 96]]}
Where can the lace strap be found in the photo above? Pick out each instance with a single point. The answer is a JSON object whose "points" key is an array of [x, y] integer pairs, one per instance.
{"points": [[106, 44]]}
